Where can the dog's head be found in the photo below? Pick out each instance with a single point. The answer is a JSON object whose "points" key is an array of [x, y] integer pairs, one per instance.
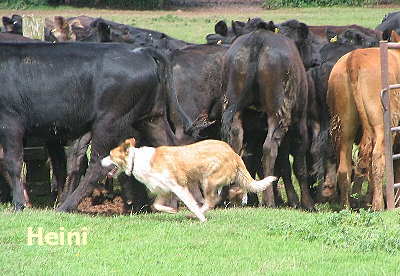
{"points": [[121, 158]]}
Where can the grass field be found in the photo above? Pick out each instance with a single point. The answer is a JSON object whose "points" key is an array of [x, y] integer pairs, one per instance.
{"points": [[233, 241]]}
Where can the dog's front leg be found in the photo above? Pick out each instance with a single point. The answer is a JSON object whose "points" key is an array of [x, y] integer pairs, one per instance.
{"points": [[187, 198]]}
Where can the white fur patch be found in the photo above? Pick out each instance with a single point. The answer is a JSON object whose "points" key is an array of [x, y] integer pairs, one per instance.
{"points": [[106, 162], [130, 161], [156, 182], [244, 199]]}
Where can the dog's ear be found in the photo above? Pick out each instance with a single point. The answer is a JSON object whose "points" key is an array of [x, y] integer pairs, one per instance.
{"points": [[124, 146], [131, 142]]}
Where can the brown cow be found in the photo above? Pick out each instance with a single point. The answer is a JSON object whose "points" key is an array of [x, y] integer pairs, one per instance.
{"points": [[354, 100], [322, 31], [69, 29]]}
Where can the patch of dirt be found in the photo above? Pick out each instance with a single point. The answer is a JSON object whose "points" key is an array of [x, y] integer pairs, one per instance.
{"points": [[102, 203]]}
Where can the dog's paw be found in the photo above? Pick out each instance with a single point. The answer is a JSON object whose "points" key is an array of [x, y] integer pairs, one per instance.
{"points": [[165, 209]]}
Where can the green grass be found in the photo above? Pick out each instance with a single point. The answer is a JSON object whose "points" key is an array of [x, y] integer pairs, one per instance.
{"points": [[232, 242]]}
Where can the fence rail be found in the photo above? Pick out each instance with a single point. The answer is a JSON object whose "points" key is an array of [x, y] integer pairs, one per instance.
{"points": [[387, 121]]}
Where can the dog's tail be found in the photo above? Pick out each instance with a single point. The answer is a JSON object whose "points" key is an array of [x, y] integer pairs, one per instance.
{"points": [[246, 182]]}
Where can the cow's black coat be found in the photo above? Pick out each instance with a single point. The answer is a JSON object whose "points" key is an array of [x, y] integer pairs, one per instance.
{"points": [[61, 91], [282, 96]]}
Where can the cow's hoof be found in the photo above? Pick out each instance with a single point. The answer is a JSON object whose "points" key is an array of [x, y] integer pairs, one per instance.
{"points": [[63, 208], [309, 208], [19, 207], [295, 204]]}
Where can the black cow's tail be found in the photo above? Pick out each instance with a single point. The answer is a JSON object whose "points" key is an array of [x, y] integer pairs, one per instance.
{"points": [[191, 127], [246, 95]]}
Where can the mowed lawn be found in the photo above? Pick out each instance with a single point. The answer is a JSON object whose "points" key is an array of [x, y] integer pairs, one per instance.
{"points": [[233, 241]]}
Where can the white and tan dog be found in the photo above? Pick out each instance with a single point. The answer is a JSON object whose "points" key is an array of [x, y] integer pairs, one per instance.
{"points": [[177, 169]]}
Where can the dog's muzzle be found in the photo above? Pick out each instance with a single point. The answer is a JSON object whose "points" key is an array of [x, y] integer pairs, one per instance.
{"points": [[113, 172], [107, 162]]}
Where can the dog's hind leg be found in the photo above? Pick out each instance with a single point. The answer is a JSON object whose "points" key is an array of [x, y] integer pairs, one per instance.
{"points": [[211, 198], [187, 198], [160, 204], [196, 192]]}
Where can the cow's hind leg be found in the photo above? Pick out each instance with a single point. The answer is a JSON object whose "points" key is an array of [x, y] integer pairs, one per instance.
{"points": [[361, 168], [59, 165], [253, 138], [101, 144], [237, 133], [270, 152], [284, 170], [301, 172], [347, 136], [11, 139], [378, 165], [77, 164], [300, 164]]}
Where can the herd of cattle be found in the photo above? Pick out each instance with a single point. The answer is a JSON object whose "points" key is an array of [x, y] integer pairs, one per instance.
{"points": [[260, 86]]}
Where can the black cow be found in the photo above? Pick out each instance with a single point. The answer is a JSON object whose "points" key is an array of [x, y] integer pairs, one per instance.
{"points": [[108, 31], [12, 24], [322, 31], [198, 83], [86, 29], [109, 89], [295, 30], [309, 39], [264, 70], [4, 188], [305, 41], [11, 37], [352, 37], [226, 35], [391, 22], [309, 48]]}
